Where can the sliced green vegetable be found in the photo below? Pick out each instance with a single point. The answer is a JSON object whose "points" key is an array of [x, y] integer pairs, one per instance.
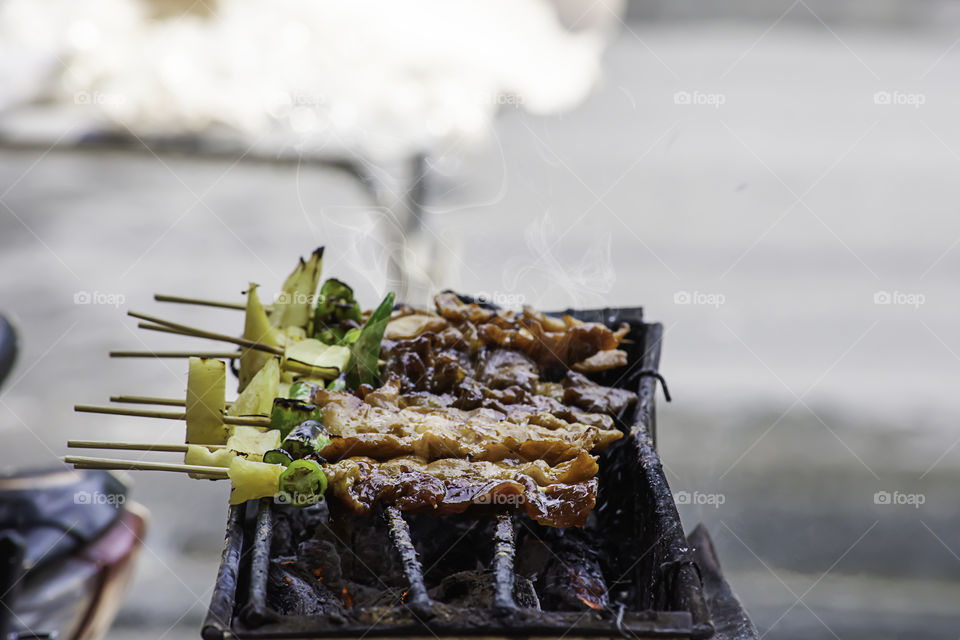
{"points": [[278, 456], [365, 352], [288, 414], [336, 312], [315, 359], [309, 437], [302, 483], [303, 391]]}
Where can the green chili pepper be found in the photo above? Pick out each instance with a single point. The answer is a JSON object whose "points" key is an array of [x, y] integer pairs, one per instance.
{"points": [[335, 312], [303, 482], [278, 456], [288, 413], [309, 437]]}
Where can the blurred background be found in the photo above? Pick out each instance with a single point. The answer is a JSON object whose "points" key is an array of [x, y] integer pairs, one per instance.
{"points": [[775, 182]]}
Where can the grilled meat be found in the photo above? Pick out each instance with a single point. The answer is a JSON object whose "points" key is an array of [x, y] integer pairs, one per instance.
{"points": [[580, 391], [560, 496], [379, 428]]}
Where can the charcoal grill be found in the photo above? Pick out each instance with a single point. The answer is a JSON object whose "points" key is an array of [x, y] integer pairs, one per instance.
{"points": [[631, 565]]}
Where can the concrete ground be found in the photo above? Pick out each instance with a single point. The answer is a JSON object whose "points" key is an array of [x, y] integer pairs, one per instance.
{"points": [[748, 187]]}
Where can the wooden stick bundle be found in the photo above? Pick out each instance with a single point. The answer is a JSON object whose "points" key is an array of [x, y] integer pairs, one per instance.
{"points": [[135, 446], [82, 462], [168, 415]]}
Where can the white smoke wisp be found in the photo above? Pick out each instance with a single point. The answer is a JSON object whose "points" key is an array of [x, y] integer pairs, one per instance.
{"points": [[546, 279]]}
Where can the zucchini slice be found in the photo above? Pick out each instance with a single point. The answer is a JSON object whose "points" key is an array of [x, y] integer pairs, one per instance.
{"points": [[206, 393]]}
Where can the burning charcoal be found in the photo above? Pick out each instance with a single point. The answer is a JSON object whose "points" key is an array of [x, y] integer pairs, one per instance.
{"points": [[292, 590], [565, 568], [474, 589], [282, 543], [573, 582], [533, 556], [367, 560], [321, 559]]}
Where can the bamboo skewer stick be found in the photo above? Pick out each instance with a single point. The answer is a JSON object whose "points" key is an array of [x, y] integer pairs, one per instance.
{"points": [[200, 333], [168, 415], [159, 297], [170, 402], [220, 355], [82, 462], [136, 446], [160, 327]]}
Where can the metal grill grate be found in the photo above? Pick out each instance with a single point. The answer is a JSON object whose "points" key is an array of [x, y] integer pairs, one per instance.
{"points": [[658, 593]]}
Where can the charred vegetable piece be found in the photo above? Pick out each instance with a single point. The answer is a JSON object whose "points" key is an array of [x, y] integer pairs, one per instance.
{"points": [[206, 392], [278, 456], [309, 437], [302, 483], [288, 414], [292, 306], [252, 443], [365, 352], [337, 312], [250, 480]]}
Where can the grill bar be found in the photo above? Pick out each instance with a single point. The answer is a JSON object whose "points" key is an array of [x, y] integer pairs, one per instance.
{"points": [[416, 597], [256, 611], [504, 550]]}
